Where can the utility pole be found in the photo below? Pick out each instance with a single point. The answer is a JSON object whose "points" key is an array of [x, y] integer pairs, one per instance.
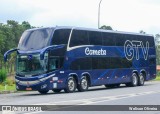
{"points": [[99, 13]]}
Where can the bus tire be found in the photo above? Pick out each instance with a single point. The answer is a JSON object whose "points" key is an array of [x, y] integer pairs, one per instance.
{"points": [[84, 84], [134, 81], [71, 85], [141, 79], [43, 91], [56, 90]]}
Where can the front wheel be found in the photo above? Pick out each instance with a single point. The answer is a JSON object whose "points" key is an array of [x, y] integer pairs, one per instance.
{"points": [[71, 85], [83, 84]]}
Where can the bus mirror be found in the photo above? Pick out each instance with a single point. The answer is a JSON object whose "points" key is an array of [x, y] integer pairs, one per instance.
{"points": [[44, 50], [49, 48], [9, 52]]}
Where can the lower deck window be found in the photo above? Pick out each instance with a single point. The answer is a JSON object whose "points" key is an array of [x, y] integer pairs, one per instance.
{"points": [[100, 63]]}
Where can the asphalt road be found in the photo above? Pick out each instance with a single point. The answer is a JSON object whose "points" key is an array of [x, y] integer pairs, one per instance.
{"points": [[149, 94]]}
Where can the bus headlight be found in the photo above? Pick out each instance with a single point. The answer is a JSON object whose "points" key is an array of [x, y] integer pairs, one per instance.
{"points": [[44, 86]]}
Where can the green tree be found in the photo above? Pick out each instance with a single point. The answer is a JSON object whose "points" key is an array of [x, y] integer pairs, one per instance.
{"points": [[26, 25], [9, 37], [142, 32], [106, 27], [157, 42], [157, 39]]}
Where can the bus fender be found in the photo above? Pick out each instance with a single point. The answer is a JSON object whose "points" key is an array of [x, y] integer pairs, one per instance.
{"points": [[75, 76], [88, 77]]}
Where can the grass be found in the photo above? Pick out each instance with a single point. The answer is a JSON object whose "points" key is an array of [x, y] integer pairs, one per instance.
{"points": [[157, 78], [10, 85], [7, 88]]}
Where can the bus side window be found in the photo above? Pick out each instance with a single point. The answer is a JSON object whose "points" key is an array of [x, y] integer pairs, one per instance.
{"points": [[53, 64], [79, 37], [95, 38], [108, 39], [120, 39], [61, 36]]}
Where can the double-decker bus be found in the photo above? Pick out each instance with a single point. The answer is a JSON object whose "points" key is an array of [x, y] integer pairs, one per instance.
{"points": [[70, 58]]}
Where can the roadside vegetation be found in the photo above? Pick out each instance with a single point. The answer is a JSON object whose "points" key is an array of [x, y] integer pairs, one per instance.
{"points": [[10, 33], [6, 83], [158, 76]]}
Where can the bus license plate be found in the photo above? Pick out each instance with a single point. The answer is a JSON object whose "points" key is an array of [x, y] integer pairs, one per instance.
{"points": [[28, 89]]}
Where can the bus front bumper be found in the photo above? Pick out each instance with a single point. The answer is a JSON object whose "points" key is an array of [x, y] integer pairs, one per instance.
{"points": [[48, 83]]}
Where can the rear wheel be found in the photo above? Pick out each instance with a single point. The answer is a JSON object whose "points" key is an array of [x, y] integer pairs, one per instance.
{"points": [[141, 79], [56, 90], [43, 91], [83, 84], [71, 85], [134, 81]]}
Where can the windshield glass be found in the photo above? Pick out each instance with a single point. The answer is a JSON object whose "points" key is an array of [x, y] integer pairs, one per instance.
{"points": [[31, 64], [35, 39]]}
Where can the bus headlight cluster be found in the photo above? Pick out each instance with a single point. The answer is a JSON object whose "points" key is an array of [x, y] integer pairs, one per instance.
{"points": [[44, 86]]}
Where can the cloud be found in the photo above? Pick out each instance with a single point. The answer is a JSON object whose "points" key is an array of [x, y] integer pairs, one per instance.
{"points": [[130, 15], [70, 12], [17, 10], [123, 15]]}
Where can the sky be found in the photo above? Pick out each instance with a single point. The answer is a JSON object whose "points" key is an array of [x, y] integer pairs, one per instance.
{"points": [[121, 15]]}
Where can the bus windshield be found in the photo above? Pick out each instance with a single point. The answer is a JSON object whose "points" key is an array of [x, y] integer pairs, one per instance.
{"points": [[31, 64], [35, 39]]}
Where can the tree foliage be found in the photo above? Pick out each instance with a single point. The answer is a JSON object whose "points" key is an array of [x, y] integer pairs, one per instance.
{"points": [[142, 32], [9, 37], [157, 42], [106, 27]]}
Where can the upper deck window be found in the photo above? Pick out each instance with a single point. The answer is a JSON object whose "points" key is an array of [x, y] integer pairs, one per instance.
{"points": [[79, 37], [61, 36], [35, 39], [95, 38]]}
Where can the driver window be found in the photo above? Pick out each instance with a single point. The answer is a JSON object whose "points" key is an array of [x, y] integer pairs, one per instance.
{"points": [[53, 64]]}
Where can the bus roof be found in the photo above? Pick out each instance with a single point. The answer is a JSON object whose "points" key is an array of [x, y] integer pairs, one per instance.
{"points": [[91, 29], [112, 31]]}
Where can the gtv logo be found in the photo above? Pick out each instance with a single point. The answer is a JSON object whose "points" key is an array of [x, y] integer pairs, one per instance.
{"points": [[131, 49]]}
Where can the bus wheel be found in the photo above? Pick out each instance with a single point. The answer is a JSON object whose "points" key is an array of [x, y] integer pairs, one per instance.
{"points": [[56, 90], [43, 91], [71, 85], [83, 84], [134, 81], [141, 79]]}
